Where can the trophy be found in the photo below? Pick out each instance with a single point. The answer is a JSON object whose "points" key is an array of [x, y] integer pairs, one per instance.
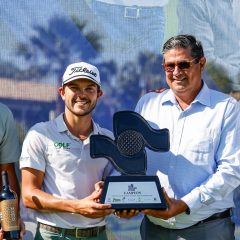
{"points": [[132, 189]]}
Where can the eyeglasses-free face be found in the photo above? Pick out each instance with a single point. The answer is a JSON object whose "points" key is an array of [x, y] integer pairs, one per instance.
{"points": [[182, 65]]}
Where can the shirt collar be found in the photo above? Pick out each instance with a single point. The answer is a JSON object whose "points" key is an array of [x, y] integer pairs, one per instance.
{"points": [[62, 127], [203, 96]]}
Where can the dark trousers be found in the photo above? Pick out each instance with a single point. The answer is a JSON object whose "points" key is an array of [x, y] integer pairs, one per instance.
{"points": [[220, 229]]}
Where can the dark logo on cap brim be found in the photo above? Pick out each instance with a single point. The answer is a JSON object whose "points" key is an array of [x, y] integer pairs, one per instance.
{"points": [[81, 69]]}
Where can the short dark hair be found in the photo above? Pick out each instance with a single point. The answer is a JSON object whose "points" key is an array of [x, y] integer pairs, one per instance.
{"points": [[185, 41]]}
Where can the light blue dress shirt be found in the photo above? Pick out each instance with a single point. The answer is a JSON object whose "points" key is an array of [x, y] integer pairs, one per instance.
{"points": [[202, 167]]}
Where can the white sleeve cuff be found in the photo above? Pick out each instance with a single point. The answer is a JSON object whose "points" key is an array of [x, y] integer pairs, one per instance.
{"points": [[193, 201]]}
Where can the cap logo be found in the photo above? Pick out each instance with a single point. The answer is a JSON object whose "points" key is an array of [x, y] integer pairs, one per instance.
{"points": [[80, 69]]}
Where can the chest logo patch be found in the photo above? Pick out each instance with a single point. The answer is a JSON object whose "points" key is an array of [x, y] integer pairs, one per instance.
{"points": [[61, 145]]}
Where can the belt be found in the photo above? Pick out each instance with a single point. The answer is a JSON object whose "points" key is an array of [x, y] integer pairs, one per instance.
{"points": [[76, 232], [215, 216]]}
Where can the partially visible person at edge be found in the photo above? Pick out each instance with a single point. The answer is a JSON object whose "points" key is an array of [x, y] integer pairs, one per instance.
{"points": [[58, 174], [9, 152], [201, 170]]}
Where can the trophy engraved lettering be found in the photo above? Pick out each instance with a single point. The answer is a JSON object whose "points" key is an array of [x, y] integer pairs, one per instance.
{"points": [[133, 189]]}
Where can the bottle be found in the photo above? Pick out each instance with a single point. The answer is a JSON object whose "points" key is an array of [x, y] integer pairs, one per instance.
{"points": [[9, 210]]}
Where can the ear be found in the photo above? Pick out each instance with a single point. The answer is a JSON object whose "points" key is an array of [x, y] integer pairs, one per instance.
{"points": [[202, 63], [61, 92], [99, 93]]}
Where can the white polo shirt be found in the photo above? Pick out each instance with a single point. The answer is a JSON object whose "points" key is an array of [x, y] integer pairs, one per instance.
{"points": [[70, 172]]}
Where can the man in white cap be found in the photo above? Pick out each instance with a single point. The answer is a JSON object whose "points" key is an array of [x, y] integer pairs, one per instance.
{"points": [[58, 174]]}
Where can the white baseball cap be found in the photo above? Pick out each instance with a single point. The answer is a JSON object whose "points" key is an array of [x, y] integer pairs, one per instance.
{"points": [[81, 70]]}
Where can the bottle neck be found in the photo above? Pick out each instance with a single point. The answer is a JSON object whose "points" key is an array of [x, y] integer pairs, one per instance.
{"points": [[5, 188], [5, 182]]}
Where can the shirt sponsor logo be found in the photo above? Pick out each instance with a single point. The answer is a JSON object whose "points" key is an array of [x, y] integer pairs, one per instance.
{"points": [[61, 145]]}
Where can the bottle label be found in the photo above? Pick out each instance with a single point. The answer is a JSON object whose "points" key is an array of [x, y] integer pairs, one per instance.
{"points": [[9, 215]]}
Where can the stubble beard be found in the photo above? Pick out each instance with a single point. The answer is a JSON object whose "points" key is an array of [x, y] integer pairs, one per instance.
{"points": [[83, 113]]}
